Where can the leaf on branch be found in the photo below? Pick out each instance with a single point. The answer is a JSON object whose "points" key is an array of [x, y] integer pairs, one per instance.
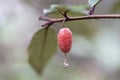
{"points": [[41, 48], [52, 8], [79, 9], [92, 3], [83, 9], [82, 28]]}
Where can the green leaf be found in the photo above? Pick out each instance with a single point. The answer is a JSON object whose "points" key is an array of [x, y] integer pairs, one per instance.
{"points": [[83, 9], [93, 2], [51, 9], [82, 28], [41, 48], [76, 9]]}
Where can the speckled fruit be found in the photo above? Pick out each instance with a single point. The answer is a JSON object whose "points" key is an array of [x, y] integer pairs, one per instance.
{"points": [[65, 39]]}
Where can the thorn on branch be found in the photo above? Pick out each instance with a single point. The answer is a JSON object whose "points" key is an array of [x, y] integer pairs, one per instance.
{"points": [[64, 13]]}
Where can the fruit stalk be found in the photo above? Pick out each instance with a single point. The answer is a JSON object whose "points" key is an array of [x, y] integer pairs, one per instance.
{"points": [[65, 42]]}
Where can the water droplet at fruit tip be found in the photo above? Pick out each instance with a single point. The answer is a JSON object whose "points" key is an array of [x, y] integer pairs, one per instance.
{"points": [[66, 65]]}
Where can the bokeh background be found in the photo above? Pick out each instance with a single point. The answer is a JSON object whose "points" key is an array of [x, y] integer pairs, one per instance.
{"points": [[96, 43]]}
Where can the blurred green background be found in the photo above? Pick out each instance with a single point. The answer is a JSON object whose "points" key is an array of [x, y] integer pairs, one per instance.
{"points": [[95, 50]]}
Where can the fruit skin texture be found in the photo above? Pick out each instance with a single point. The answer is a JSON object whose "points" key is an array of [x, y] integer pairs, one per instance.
{"points": [[64, 39]]}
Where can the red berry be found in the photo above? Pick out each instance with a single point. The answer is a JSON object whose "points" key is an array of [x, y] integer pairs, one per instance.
{"points": [[65, 39]]}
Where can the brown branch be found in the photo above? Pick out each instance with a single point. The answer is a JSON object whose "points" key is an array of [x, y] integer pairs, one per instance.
{"points": [[105, 16]]}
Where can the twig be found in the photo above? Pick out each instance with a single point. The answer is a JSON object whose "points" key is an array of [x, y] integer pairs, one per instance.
{"points": [[104, 16]]}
